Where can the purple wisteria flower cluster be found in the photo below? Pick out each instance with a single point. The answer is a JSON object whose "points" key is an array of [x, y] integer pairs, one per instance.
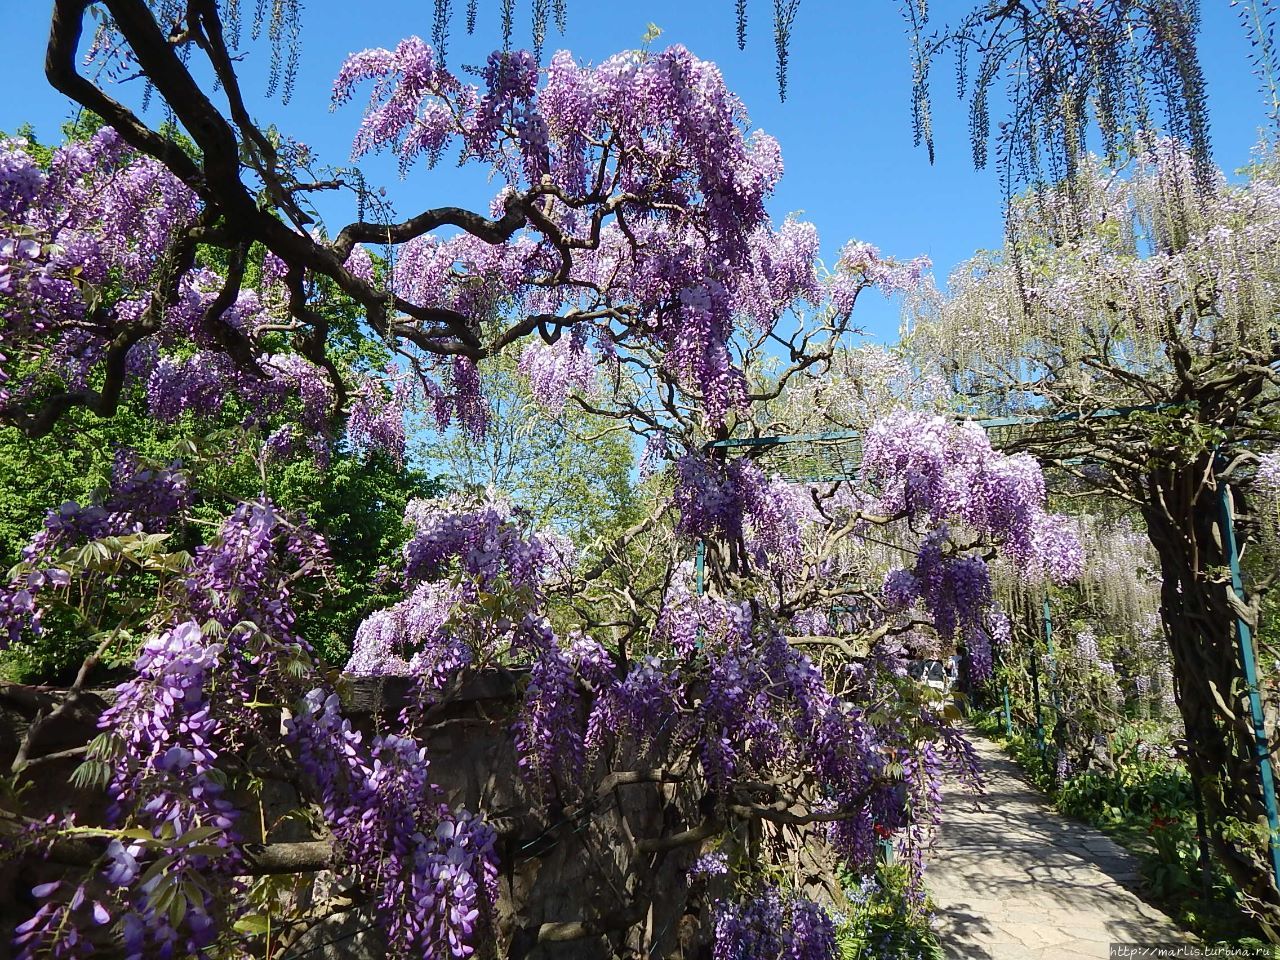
{"points": [[377, 418], [769, 926], [657, 130], [754, 705], [461, 550], [740, 502], [928, 467], [223, 653], [434, 870], [553, 370], [97, 214], [742, 700], [946, 477], [227, 628], [140, 500], [86, 243], [458, 550]]}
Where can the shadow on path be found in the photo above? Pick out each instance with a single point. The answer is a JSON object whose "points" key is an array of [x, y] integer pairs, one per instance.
{"points": [[1015, 880]]}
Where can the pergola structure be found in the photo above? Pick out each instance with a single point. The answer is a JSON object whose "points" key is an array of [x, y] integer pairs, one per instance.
{"points": [[837, 456]]}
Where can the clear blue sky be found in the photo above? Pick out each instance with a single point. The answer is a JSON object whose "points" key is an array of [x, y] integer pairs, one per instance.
{"points": [[845, 127]]}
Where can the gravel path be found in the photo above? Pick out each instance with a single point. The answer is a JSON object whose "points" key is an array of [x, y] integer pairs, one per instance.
{"points": [[1015, 880]]}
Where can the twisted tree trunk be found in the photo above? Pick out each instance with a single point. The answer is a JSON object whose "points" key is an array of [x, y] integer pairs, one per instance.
{"points": [[1183, 516]]}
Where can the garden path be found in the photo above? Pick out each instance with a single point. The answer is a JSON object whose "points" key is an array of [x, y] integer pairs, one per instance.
{"points": [[1015, 880]]}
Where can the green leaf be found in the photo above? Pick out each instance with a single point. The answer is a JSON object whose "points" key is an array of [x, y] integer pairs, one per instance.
{"points": [[91, 775], [198, 834], [155, 870], [254, 924]]}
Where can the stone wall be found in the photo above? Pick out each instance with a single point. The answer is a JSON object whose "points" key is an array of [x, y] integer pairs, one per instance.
{"points": [[600, 875]]}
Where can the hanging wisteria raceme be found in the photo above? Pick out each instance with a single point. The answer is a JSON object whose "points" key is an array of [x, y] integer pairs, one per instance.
{"points": [[554, 370], [740, 502], [460, 550], [426, 633], [1266, 483], [194, 703], [999, 628], [931, 468], [1122, 576], [377, 420], [461, 403], [708, 501], [657, 448], [97, 215], [1087, 646], [773, 512], [434, 870], [955, 589], [979, 653]]}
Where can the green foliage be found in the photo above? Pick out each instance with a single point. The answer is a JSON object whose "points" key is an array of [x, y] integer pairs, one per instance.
{"points": [[69, 464], [356, 504], [570, 471], [1176, 434], [883, 920]]}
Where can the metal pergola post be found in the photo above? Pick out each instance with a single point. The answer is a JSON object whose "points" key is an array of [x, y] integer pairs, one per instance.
{"points": [[1249, 666], [700, 567]]}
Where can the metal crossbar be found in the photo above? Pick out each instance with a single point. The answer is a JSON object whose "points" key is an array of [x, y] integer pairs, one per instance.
{"points": [[837, 455]]}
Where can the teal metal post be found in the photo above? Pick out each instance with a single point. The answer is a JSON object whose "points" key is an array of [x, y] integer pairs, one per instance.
{"points": [[1244, 637], [887, 852], [699, 566]]}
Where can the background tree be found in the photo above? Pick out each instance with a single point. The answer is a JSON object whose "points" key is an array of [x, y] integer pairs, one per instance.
{"points": [[567, 469]]}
